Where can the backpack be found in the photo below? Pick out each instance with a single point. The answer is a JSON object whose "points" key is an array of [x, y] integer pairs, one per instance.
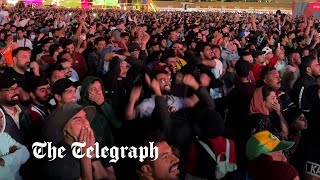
{"points": [[202, 159], [222, 167]]}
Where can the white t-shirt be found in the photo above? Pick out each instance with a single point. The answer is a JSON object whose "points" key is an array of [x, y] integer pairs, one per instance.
{"points": [[217, 72], [4, 17], [25, 43]]}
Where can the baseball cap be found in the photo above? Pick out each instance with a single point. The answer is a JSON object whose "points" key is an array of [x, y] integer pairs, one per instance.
{"points": [[62, 84], [160, 68], [257, 53], [134, 47], [264, 143], [266, 50], [63, 115], [36, 82], [6, 81]]}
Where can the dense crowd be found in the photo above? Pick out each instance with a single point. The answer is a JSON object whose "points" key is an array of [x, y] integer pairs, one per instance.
{"points": [[222, 95]]}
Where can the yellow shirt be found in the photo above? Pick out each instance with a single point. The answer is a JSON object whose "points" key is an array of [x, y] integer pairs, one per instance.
{"points": [[181, 63]]}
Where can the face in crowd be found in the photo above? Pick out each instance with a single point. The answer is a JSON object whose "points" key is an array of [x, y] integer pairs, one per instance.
{"points": [[314, 68], [271, 100], [124, 67], [165, 167], [41, 94], [70, 49], [67, 68], [10, 96], [206, 53], [69, 95], [56, 75], [273, 80], [164, 82], [76, 123], [22, 60]]}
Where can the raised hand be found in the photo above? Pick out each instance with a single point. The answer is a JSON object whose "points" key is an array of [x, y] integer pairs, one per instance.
{"points": [[135, 93], [190, 81], [97, 98], [12, 149], [205, 80]]}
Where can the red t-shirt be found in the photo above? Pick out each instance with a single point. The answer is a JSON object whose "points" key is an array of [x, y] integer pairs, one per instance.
{"points": [[256, 69], [79, 65], [264, 168]]}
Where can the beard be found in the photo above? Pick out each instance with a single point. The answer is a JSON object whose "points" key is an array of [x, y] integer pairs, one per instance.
{"points": [[251, 66], [14, 100], [166, 90], [44, 100], [315, 75], [25, 66]]}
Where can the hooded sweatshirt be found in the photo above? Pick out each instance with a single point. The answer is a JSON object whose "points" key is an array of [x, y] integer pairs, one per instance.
{"points": [[260, 116], [13, 161], [105, 121]]}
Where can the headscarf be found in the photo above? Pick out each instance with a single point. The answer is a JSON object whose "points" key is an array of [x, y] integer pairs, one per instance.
{"points": [[257, 105], [3, 121]]}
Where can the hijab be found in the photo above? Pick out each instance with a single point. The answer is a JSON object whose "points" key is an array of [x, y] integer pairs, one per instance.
{"points": [[257, 105]]}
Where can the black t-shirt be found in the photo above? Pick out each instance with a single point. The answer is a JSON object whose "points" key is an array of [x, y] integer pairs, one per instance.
{"points": [[228, 79], [20, 78], [66, 168], [312, 156]]}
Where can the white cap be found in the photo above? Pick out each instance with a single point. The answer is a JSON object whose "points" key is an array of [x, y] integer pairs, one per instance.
{"points": [[266, 50]]}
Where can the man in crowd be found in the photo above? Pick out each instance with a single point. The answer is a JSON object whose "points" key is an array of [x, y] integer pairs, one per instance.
{"points": [[72, 123], [79, 64], [291, 73], [166, 166], [309, 72], [180, 90], [12, 153], [18, 120]]}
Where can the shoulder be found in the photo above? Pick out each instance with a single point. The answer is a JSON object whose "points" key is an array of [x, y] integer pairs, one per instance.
{"points": [[148, 101], [67, 167]]}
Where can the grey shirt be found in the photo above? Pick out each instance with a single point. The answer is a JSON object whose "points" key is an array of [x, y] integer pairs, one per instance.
{"points": [[145, 108]]}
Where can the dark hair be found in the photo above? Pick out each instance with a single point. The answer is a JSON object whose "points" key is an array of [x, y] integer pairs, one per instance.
{"points": [[67, 42], [245, 53], [55, 67], [167, 54], [98, 39], [305, 63], [265, 71], [155, 137], [16, 51], [291, 114], [291, 53], [62, 60], [243, 68], [53, 48], [61, 54], [266, 91], [200, 47]]}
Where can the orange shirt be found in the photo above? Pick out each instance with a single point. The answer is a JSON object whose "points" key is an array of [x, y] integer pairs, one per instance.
{"points": [[8, 56]]}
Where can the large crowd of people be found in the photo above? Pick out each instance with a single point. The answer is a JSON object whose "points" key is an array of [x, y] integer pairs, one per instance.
{"points": [[222, 95]]}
